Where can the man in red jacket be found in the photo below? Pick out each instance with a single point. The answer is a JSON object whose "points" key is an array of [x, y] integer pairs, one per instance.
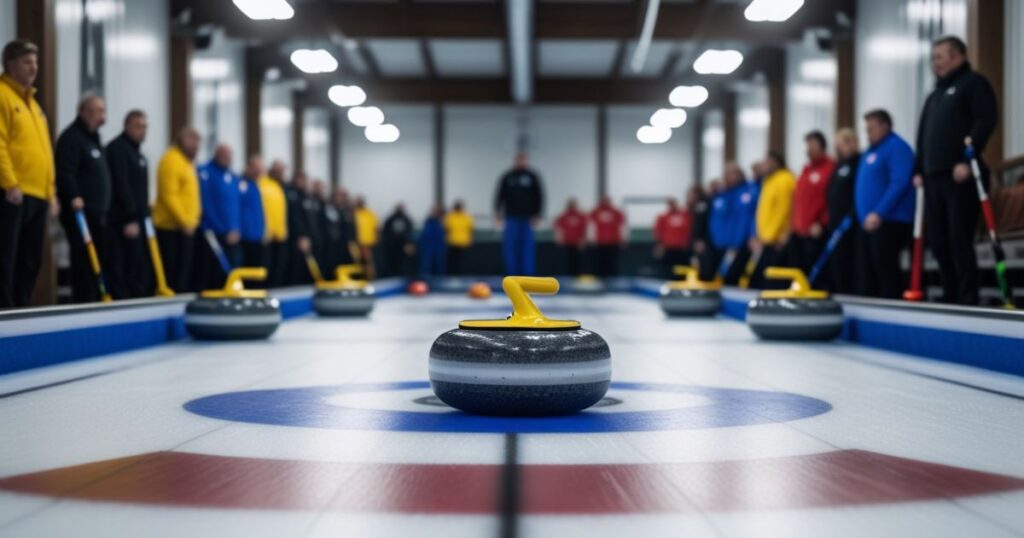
{"points": [[570, 233], [672, 236], [810, 204], [609, 233]]}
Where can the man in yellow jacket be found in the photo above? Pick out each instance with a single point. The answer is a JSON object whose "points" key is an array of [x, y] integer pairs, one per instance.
{"points": [[458, 236], [26, 175], [275, 214], [177, 209], [367, 235], [773, 214]]}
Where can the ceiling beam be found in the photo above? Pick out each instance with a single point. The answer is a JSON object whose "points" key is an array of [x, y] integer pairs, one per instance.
{"points": [[553, 20]]}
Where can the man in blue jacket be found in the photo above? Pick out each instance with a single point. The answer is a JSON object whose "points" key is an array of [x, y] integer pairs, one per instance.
{"points": [[884, 196], [732, 219], [252, 226], [222, 206]]}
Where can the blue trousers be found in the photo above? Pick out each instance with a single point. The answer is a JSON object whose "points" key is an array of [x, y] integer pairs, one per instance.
{"points": [[519, 247], [432, 259]]}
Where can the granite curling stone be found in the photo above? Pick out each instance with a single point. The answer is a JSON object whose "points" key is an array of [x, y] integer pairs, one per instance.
{"points": [[690, 296], [799, 313], [525, 365], [234, 313], [344, 296]]}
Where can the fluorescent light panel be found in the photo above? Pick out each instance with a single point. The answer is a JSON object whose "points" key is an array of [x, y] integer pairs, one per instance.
{"points": [[365, 116], [346, 96], [718, 62], [772, 10], [381, 134], [262, 10], [314, 61], [688, 96], [649, 134], [668, 117]]}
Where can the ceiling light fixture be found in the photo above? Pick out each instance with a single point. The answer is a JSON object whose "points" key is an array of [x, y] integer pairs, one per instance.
{"points": [[381, 134], [649, 134], [688, 96], [822, 69], [772, 10], [365, 116], [718, 62], [346, 96], [209, 69], [314, 61], [668, 117], [755, 118], [262, 10]]}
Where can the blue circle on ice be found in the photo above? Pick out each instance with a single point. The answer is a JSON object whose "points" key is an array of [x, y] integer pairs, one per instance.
{"points": [[310, 407]]}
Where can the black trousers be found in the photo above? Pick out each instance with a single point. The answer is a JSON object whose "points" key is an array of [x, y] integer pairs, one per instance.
{"points": [[129, 268], [255, 254], [177, 250], [737, 267], [882, 262], [278, 256], [673, 257], [297, 272], [803, 251], [22, 234], [707, 262], [607, 258], [209, 274], [455, 261], [573, 259], [951, 218], [771, 256], [84, 282], [843, 266]]}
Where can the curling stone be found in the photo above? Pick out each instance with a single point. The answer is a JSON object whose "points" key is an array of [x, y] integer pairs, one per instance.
{"points": [[480, 290], [418, 288], [525, 365], [234, 313], [690, 296], [344, 296], [587, 285], [799, 313]]}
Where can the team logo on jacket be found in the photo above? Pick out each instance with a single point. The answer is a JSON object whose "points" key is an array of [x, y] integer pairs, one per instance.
{"points": [[844, 170], [951, 90], [243, 187], [95, 153], [227, 178], [745, 198], [815, 177], [524, 180], [872, 157]]}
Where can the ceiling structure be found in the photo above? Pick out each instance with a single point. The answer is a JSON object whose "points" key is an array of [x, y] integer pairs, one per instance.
{"points": [[459, 50]]}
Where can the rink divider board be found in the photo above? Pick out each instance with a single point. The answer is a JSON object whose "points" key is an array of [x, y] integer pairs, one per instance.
{"points": [[987, 338], [38, 337]]}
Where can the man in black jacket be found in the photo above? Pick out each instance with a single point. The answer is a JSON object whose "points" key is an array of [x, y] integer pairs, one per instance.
{"points": [[299, 243], [83, 183], [517, 206], [397, 242], [963, 104], [128, 262]]}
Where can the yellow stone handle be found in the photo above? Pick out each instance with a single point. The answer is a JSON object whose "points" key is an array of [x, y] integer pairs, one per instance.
{"points": [[799, 287], [525, 314], [343, 273], [234, 287], [685, 271], [691, 279]]}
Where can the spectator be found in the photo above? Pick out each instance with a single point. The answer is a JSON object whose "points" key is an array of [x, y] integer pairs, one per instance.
{"points": [[128, 264], [843, 264], [732, 218], [177, 208], [367, 235], [222, 207], [341, 230], [253, 225], [316, 201], [517, 205], [83, 184], [299, 244], [26, 175], [810, 205], [885, 204], [431, 244], [698, 201], [672, 236], [609, 236], [397, 242], [962, 105], [275, 213], [773, 215], [570, 232], [458, 229]]}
